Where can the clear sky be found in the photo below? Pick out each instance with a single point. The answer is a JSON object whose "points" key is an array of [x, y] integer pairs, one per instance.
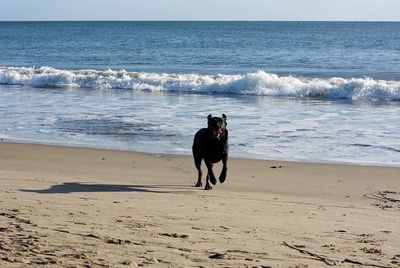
{"points": [[370, 10]]}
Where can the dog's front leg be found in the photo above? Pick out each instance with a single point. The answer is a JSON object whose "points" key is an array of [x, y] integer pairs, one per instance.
{"points": [[210, 175], [222, 176], [197, 162], [208, 186]]}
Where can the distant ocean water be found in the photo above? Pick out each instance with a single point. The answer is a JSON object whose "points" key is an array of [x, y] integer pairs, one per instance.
{"points": [[310, 91]]}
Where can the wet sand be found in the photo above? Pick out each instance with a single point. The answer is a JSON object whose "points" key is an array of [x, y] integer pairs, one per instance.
{"points": [[77, 207]]}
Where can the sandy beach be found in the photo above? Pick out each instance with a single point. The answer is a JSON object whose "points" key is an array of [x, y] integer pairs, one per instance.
{"points": [[77, 207]]}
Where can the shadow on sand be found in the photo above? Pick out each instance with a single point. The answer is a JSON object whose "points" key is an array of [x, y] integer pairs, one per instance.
{"points": [[75, 187]]}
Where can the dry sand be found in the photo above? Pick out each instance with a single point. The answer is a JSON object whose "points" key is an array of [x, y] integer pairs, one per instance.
{"points": [[71, 207]]}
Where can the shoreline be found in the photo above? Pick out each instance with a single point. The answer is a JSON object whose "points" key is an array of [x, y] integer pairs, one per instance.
{"points": [[77, 146], [63, 207]]}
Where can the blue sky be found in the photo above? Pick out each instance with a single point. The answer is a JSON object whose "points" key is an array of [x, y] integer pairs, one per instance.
{"points": [[386, 10]]}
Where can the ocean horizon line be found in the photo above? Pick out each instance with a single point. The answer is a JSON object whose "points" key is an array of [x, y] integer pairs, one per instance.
{"points": [[244, 20]]}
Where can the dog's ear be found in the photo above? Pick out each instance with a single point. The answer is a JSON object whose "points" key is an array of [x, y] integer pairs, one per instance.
{"points": [[209, 116], [224, 117]]}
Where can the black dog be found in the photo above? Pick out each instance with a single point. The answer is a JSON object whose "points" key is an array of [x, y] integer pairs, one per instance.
{"points": [[211, 144]]}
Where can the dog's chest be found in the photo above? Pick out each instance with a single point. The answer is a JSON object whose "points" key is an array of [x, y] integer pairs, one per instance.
{"points": [[216, 150]]}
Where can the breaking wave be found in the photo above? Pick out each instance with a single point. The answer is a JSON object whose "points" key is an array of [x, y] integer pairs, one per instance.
{"points": [[255, 83]]}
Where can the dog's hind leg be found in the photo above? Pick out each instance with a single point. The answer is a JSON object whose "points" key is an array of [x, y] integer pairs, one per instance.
{"points": [[197, 163]]}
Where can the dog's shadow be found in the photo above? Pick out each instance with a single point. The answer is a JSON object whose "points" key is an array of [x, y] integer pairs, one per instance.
{"points": [[76, 187]]}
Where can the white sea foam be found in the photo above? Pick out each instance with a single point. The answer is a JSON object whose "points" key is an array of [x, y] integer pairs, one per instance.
{"points": [[256, 83]]}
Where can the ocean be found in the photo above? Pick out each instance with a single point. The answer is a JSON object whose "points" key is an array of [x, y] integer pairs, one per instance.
{"points": [[301, 91]]}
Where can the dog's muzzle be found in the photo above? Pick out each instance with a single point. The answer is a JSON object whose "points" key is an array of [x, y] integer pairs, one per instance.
{"points": [[219, 133]]}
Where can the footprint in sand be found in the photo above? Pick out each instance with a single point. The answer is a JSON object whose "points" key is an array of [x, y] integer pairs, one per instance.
{"points": [[175, 235], [219, 256], [396, 259], [371, 250]]}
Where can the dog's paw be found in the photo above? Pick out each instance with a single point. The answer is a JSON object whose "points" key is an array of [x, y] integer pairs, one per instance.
{"points": [[222, 176], [213, 180], [198, 184], [208, 187]]}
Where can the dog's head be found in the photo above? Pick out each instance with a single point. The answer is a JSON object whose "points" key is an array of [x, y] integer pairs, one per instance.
{"points": [[217, 126]]}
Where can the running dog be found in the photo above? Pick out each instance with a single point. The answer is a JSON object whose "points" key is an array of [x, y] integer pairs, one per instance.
{"points": [[211, 145]]}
